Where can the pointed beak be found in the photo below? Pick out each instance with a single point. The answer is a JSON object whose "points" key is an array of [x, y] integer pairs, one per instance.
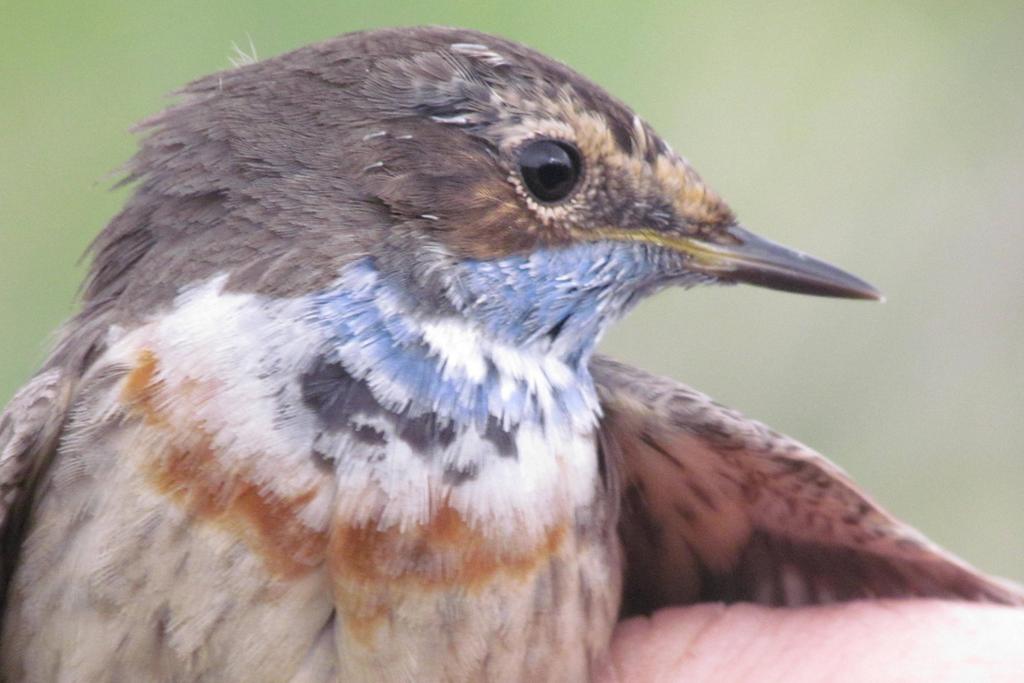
{"points": [[752, 260], [757, 261]]}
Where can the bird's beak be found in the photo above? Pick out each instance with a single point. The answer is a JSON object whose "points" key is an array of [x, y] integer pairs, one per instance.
{"points": [[757, 261]]}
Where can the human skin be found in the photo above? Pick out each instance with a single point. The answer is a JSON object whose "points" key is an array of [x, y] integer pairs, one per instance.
{"points": [[871, 640]]}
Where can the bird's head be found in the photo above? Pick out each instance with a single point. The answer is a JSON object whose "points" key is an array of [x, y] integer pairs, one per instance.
{"points": [[477, 174]]}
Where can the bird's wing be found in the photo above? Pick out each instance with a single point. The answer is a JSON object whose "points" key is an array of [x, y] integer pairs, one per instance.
{"points": [[29, 430], [719, 507]]}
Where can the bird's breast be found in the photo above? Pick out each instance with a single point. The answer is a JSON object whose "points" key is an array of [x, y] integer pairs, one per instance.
{"points": [[454, 546], [508, 576], [229, 480]]}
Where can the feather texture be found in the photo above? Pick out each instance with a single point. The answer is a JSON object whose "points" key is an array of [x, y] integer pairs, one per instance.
{"points": [[718, 507]]}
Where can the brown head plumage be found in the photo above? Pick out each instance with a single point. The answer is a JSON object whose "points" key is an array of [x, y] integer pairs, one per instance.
{"points": [[407, 139]]}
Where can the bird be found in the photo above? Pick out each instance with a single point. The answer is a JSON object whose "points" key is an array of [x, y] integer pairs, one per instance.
{"points": [[330, 408]]}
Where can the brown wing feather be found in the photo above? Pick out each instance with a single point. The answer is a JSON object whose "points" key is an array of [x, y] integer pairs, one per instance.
{"points": [[719, 507], [29, 430]]}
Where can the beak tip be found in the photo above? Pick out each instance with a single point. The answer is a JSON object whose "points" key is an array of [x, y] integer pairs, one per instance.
{"points": [[861, 292], [870, 293]]}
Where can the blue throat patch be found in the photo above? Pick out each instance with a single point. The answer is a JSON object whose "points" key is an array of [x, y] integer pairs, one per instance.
{"points": [[552, 303]]}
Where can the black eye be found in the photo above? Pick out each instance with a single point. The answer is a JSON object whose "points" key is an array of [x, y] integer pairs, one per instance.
{"points": [[550, 169]]}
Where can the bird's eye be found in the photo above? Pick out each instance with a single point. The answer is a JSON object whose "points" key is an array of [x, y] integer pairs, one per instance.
{"points": [[550, 169]]}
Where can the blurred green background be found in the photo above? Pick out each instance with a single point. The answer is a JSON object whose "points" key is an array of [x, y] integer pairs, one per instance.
{"points": [[885, 137]]}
